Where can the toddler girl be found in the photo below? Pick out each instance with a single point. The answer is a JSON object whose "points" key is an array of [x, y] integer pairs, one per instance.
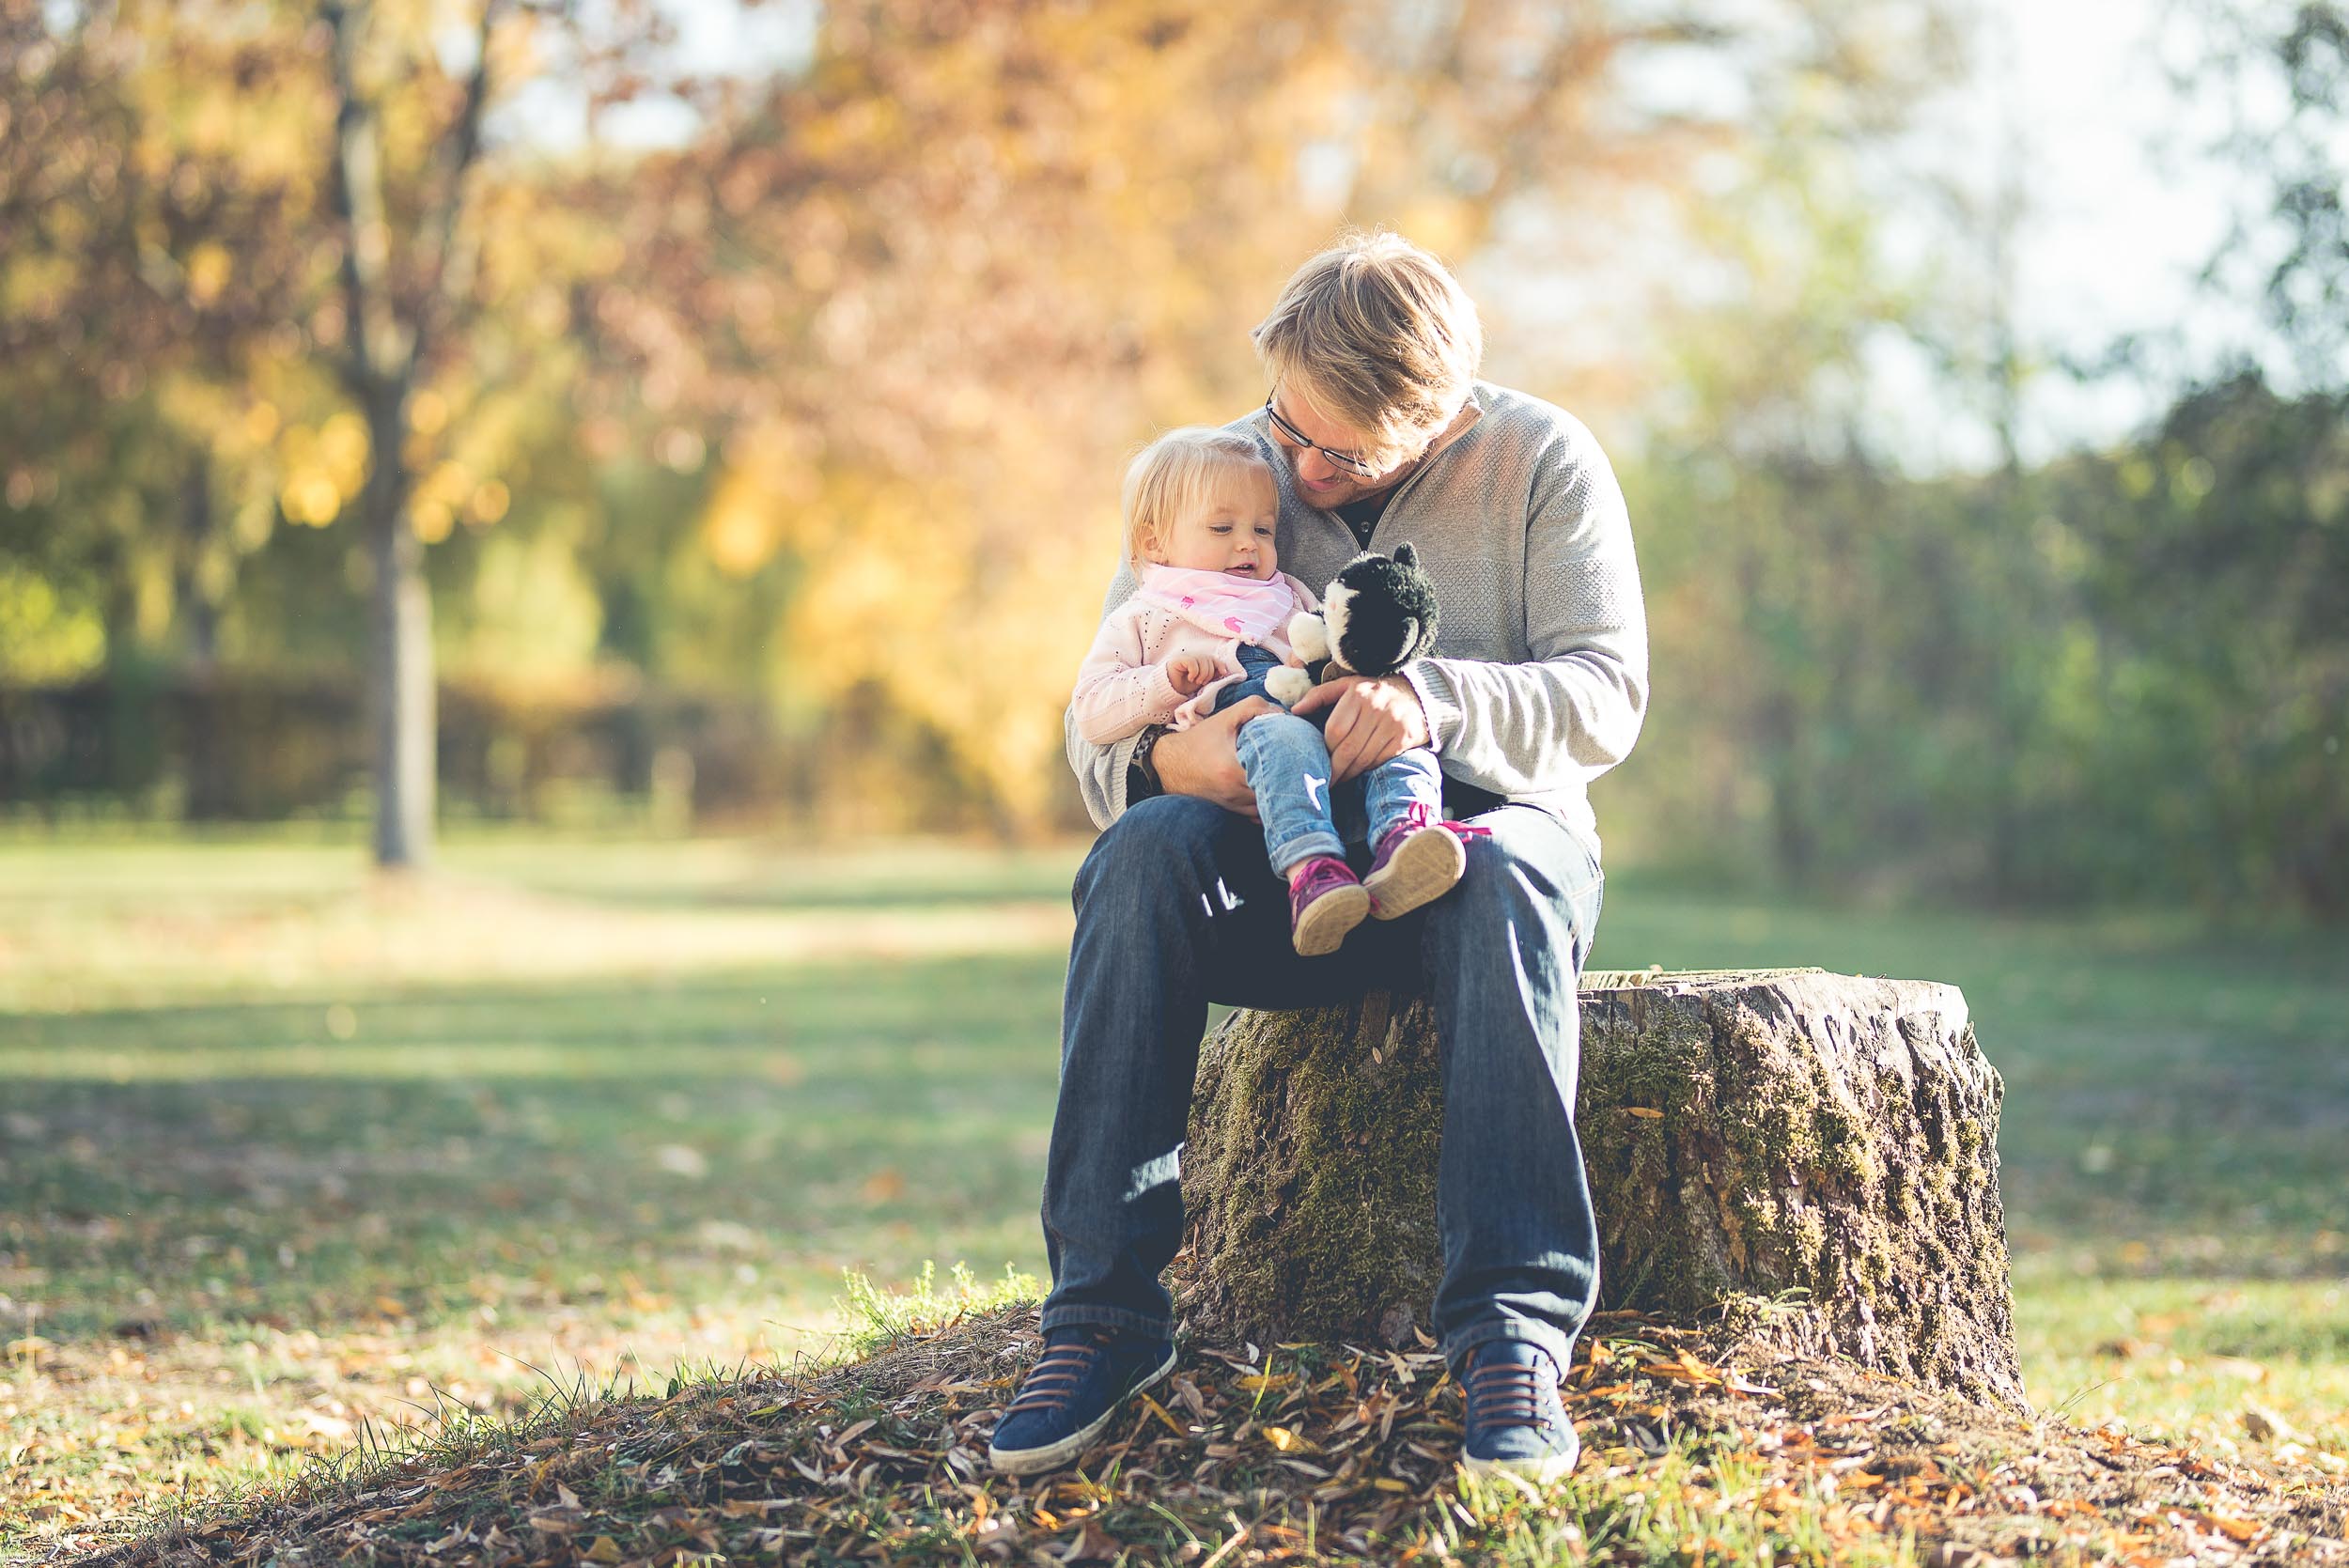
{"points": [[1207, 621]]}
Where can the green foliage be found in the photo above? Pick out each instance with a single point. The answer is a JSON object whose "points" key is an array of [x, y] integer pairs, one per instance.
{"points": [[878, 1316], [2123, 675], [45, 636]]}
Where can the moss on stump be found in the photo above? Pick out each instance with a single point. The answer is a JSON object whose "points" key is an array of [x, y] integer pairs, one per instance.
{"points": [[1746, 1133]]}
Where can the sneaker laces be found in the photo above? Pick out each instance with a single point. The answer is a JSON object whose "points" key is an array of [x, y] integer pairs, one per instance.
{"points": [[1057, 1374], [1323, 873], [1504, 1394], [1418, 815]]}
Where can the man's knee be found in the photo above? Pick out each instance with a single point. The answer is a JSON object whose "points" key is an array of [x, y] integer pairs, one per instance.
{"points": [[1513, 892]]}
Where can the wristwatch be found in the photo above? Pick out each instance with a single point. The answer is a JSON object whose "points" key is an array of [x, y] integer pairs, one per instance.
{"points": [[1141, 779]]}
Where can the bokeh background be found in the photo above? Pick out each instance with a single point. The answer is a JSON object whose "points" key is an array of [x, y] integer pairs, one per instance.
{"points": [[654, 463], [756, 380]]}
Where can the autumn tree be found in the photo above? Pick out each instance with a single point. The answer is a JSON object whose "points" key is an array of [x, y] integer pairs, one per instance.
{"points": [[248, 248], [145, 275], [931, 289]]}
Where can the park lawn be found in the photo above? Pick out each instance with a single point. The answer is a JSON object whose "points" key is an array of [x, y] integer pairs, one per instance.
{"points": [[284, 1153]]}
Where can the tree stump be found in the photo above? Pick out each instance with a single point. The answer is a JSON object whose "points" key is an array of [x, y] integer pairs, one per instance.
{"points": [[1747, 1134]]}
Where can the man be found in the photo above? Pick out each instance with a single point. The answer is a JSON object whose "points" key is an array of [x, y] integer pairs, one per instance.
{"points": [[1379, 433]]}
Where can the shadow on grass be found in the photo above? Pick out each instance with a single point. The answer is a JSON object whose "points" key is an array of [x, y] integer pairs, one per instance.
{"points": [[520, 1143]]}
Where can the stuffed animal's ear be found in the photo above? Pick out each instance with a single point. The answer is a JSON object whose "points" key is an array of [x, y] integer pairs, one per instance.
{"points": [[1406, 555]]}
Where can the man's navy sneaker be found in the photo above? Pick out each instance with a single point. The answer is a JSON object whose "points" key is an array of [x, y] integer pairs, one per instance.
{"points": [[1516, 1421], [1070, 1394]]}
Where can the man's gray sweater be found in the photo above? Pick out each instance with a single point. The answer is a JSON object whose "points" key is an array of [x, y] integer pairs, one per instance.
{"points": [[1539, 679]]}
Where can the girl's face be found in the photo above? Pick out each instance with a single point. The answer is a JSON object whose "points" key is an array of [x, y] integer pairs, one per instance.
{"points": [[1232, 533]]}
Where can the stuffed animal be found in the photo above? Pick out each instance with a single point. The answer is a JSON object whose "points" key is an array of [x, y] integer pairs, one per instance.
{"points": [[1379, 615]]}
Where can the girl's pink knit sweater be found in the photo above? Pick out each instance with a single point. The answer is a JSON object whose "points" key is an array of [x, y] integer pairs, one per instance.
{"points": [[1123, 688]]}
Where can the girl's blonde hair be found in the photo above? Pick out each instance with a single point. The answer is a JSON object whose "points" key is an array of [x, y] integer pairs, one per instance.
{"points": [[1181, 472], [1378, 335]]}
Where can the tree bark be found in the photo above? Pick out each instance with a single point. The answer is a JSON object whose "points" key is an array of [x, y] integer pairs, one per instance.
{"points": [[389, 339], [402, 706], [1755, 1134]]}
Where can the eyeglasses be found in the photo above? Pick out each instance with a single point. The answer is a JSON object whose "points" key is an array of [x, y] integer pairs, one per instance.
{"points": [[1344, 462]]}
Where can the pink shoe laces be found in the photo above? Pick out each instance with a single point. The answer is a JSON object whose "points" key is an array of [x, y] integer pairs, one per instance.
{"points": [[1419, 814]]}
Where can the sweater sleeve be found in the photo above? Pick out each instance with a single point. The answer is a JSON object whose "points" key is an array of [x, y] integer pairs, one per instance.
{"points": [[1099, 767], [1574, 708], [1118, 696]]}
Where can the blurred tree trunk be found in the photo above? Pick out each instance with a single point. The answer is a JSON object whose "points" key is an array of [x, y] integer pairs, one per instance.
{"points": [[193, 591], [388, 338], [401, 699]]}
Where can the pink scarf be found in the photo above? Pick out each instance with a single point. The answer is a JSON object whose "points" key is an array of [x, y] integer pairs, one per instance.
{"points": [[1242, 607]]}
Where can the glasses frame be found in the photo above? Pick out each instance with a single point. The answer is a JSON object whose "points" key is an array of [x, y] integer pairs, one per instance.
{"points": [[1291, 435]]}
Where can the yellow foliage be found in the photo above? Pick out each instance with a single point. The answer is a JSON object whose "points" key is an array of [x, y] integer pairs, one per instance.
{"points": [[489, 503], [311, 496], [208, 272], [428, 412], [739, 528], [342, 451]]}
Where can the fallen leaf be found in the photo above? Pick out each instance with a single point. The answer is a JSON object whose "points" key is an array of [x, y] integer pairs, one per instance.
{"points": [[2267, 1426], [1160, 1410], [2240, 1531]]}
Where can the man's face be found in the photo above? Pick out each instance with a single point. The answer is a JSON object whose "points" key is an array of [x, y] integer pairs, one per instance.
{"points": [[1321, 483]]}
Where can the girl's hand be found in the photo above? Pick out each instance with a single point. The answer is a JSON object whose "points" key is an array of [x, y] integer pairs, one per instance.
{"points": [[1192, 671]]}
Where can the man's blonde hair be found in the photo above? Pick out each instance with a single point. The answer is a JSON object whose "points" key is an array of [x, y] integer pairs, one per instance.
{"points": [[1378, 336], [1183, 471]]}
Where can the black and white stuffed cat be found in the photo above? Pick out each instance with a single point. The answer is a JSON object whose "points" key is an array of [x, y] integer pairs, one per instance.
{"points": [[1376, 617]]}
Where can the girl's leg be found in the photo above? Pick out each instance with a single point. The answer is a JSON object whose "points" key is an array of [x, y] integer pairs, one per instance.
{"points": [[1288, 767], [1414, 860], [1393, 790]]}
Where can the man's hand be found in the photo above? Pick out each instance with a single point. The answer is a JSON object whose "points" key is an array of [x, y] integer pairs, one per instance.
{"points": [[1371, 721], [1204, 760], [1188, 672]]}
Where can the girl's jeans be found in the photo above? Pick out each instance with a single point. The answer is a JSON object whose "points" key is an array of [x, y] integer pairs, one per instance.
{"points": [[1288, 767], [1176, 907]]}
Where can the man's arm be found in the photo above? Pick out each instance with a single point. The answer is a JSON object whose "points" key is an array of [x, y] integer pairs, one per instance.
{"points": [[1573, 710]]}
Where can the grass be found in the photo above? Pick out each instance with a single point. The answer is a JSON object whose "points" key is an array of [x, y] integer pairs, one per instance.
{"points": [[288, 1156]]}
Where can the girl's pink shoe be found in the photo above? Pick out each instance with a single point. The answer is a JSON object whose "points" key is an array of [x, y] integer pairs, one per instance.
{"points": [[1325, 902], [1418, 861]]}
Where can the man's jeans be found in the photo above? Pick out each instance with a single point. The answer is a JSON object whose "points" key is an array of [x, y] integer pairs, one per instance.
{"points": [[1177, 908], [1287, 764]]}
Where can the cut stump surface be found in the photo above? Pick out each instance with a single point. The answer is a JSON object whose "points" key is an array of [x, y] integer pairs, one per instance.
{"points": [[1746, 1133]]}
